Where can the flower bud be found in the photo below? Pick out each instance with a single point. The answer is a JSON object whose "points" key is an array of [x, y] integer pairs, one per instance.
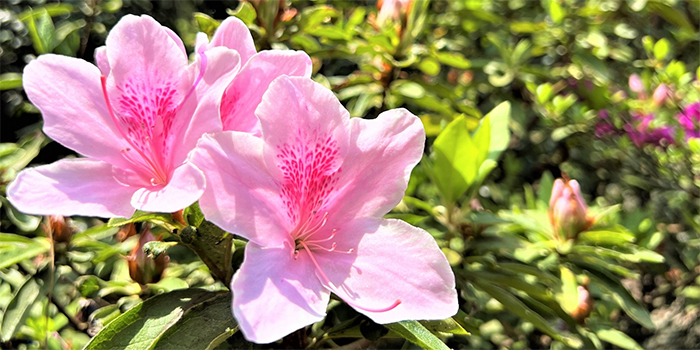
{"points": [[636, 84], [585, 305], [143, 269], [61, 230], [660, 94], [567, 210]]}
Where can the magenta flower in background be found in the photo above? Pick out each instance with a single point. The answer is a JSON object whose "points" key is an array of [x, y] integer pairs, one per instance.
{"points": [[689, 119], [135, 119], [258, 70], [310, 196]]}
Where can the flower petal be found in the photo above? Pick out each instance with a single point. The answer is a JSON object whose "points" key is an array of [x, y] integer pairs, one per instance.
{"points": [[234, 34], [71, 187], [240, 196], [140, 46], [67, 92], [220, 67], [184, 188], [275, 294], [101, 60], [246, 91], [378, 164], [299, 113], [392, 261]]}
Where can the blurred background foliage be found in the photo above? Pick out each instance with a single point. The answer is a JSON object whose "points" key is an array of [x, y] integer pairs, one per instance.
{"points": [[512, 94]]}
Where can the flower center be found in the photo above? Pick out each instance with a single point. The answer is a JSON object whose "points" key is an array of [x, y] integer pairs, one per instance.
{"points": [[145, 117]]}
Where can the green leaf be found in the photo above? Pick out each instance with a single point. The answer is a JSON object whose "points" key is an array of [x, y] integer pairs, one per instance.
{"points": [[556, 11], [10, 81], [454, 59], [606, 238], [41, 30], [611, 285], [17, 310], [499, 118], [516, 306], [454, 168], [671, 15], [154, 249], [444, 327], [661, 49], [206, 23], [24, 222], [245, 12], [429, 66], [160, 219], [52, 9], [615, 337], [568, 299], [16, 248], [144, 325], [417, 334]]}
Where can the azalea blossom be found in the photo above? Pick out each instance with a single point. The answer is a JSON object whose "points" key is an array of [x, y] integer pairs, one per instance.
{"points": [[310, 195], [258, 70], [135, 117]]}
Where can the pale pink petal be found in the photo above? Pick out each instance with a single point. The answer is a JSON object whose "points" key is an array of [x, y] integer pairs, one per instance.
{"points": [[246, 91], [67, 92], [234, 34], [377, 167], [299, 115], [176, 39], [241, 196], [101, 60], [184, 188], [221, 66], [201, 42], [71, 187], [139, 47], [392, 262], [275, 294]]}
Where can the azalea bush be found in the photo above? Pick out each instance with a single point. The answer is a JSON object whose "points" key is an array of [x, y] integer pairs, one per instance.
{"points": [[392, 174]]}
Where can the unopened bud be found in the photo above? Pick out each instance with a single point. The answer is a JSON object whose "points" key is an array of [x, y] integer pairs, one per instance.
{"points": [[61, 229], [636, 84], [585, 305], [660, 94], [143, 269], [567, 209]]}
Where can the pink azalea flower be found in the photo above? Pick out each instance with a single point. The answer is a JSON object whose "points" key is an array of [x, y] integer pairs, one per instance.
{"points": [[258, 71], [135, 119], [310, 196]]}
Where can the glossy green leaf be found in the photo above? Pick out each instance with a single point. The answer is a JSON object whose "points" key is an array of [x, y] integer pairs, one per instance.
{"points": [[245, 12], [611, 285], [417, 334], [516, 306], [160, 219], [10, 81], [661, 49], [568, 299], [617, 338], [17, 310], [444, 327], [454, 59], [144, 325], [52, 9], [206, 23], [499, 118], [154, 249], [16, 248], [454, 166]]}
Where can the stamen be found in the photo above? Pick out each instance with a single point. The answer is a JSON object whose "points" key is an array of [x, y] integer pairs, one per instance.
{"points": [[322, 240], [332, 288], [311, 231]]}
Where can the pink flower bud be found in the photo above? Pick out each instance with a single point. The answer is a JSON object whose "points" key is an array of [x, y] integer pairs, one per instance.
{"points": [[143, 269], [660, 94], [567, 209], [585, 305], [636, 84]]}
